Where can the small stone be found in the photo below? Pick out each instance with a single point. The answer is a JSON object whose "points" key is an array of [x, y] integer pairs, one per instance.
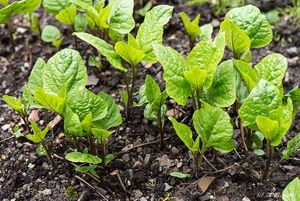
{"points": [[45, 166], [175, 151], [292, 50], [143, 199], [147, 159], [34, 116], [3, 157], [179, 165], [92, 80], [137, 164], [288, 167], [61, 135], [137, 194], [126, 157], [46, 192], [5, 127], [215, 23], [226, 185], [167, 187], [246, 199]]}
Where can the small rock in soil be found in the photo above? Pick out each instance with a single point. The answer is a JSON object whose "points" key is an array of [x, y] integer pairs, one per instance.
{"points": [[205, 182], [126, 157], [147, 159], [34, 116], [92, 80], [179, 165], [175, 151], [143, 199], [167, 187], [246, 199], [137, 164], [226, 185], [46, 192], [45, 166], [137, 194], [5, 127], [165, 162]]}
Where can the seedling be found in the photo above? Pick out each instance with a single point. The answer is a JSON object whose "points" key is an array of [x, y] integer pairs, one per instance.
{"points": [[51, 34], [214, 130], [292, 191], [191, 27]]}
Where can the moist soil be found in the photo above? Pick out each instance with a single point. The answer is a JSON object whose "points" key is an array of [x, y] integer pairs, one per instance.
{"points": [[140, 173]]}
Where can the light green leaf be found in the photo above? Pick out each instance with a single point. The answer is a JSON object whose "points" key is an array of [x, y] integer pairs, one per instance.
{"points": [[192, 27], [294, 95], [4, 3], [86, 123], [113, 117], [132, 42], [38, 135], [58, 42], [267, 127], [85, 169], [129, 54], [82, 102], [64, 69], [180, 175], [247, 72], [35, 78], [80, 23], [272, 68], [222, 92], [195, 77], [78, 157], [101, 134], [151, 30], [104, 48], [142, 96], [67, 16], [158, 102], [152, 89], [50, 34], [249, 19], [292, 191], [13, 102], [54, 6], [215, 129], [206, 32], [174, 66], [262, 99], [108, 158], [293, 146], [35, 24], [72, 125], [120, 18], [236, 39]]}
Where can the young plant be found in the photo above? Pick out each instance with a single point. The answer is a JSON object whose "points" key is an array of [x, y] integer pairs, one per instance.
{"points": [[155, 100], [214, 131], [136, 50], [17, 7], [51, 34], [292, 191], [192, 28]]}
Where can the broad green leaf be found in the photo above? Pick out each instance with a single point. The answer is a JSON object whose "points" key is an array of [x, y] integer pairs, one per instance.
{"points": [[86, 123], [268, 127], [145, 9], [113, 117], [28, 99], [132, 42], [207, 55], [246, 56], [292, 191], [249, 19], [158, 102], [67, 16], [206, 32], [142, 96], [174, 66], [50, 101], [82, 102], [222, 92], [247, 72], [151, 30], [18, 7], [55, 6], [236, 39], [262, 100], [13, 102], [85, 169], [120, 18], [35, 78], [180, 175], [152, 89], [293, 146], [104, 48], [129, 54], [195, 77], [38, 135], [50, 34], [78, 157], [72, 125], [294, 95], [215, 129], [272, 68], [101, 134], [192, 27], [184, 133], [80, 23], [65, 69]]}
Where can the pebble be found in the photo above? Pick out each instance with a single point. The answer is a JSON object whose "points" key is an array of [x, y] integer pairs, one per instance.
{"points": [[167, 187], [45, 166], [246, 199], [179, 165], [147, 159], [226, 185], [215, 23], [292, 50], [46, 192], [174, 150], [137, 164], [5, 127], [126, 157], [143, 199]]}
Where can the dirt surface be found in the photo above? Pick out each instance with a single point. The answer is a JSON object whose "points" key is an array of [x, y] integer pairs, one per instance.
{"points": [[143, 171]]}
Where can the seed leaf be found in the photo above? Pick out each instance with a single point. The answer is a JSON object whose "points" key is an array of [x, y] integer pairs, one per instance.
{"points": [[78, 157]]}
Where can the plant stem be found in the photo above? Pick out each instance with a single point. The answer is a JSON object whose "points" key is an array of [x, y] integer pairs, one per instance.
{"points": [[160, 124], [75, 39], [274, 169], [130, 90], [11, 32], [48, 153], [269, 150], [76, 143], [91, 145], [191, 42], [198, 98], [196, 165], [243, 135]]}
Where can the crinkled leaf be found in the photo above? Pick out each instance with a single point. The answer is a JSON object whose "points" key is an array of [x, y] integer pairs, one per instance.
{"points": [[67, 16], [72, 125], [247, 72], [206, 32], [249, 19], [192, 27], [195, 77], [152, 89], [78, 157], [35, 79], [101, 134], [292, 191], [50, 34], [65, 69], [151, 30], [294, 95], [54, 6], [104, 48], [158, 102], [215, 129], [80, 23], [262, 99], [174, 66], [13, 102], [128, 53], [38, 135], [293, 146]]}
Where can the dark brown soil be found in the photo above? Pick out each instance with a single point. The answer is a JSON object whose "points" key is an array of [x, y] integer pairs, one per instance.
{"points": [[143, 171]]}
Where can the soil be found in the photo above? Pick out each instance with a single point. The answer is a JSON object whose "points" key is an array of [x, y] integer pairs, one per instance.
{"points": [[144, 171]]}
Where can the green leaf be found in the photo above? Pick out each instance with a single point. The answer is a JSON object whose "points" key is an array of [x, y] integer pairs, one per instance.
{"points": [[272, 68], [82, 102], [55, 6], [142, 12], [247, 72], [236, 39], [292, 191], [86, 123], [195, 77], [294, 95], [4, 3], [72, 125], [262, 99], [35, 25], [222, 92], [101, 134], [215, 129], [250, 20], [104, 48], [180, 175], [35, 79], [50, 34], [132, 42], [113, 117], [128, 53], [14, 103], [267, 127], [207, 55], [152, 89], [50, 101], [80, 23], [38, 135], [64, 70], [293, 146], [90, 169], [151, 30], [18, 7], [41, 151], [67, 16], [120, 18], [158, 102], [58, 42], [192, 27], [206, 32], [78, 157], [185, 134], [174, 66], [108, 158], [142, 96]]}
